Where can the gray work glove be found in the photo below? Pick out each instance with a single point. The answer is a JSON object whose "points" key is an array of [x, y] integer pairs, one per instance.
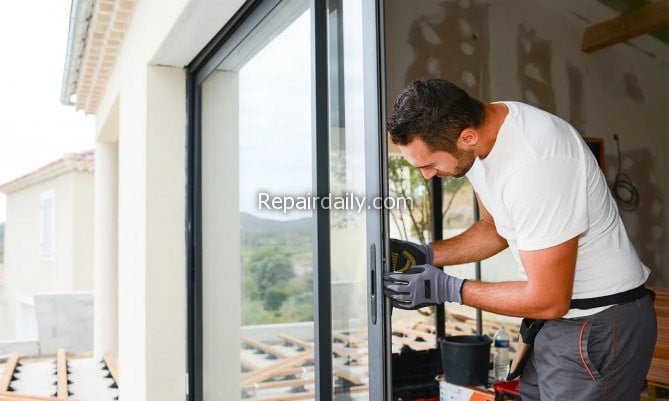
{"points": [[421, 286], [404, 254]]}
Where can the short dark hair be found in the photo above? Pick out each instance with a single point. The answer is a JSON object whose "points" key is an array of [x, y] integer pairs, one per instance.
{"points": [[436, 111]]}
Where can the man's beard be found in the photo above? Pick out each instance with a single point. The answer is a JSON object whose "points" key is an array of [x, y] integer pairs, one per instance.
{"points": [[465, 162]]}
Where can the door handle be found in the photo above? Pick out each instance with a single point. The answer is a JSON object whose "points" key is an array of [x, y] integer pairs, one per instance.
{"points": [[372, 282]]}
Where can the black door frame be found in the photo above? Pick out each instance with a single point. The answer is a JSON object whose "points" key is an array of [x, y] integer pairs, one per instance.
{"points": [[250, 15], [376, 184]]}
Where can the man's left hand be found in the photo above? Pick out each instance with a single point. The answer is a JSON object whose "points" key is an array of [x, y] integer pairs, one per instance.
{"points": [[404, 254], [420, 286]]}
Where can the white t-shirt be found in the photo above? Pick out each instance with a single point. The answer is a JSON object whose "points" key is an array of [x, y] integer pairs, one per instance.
{"points": [[542, 186]]}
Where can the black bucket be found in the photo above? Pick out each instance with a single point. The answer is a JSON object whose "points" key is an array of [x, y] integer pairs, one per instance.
{"points": [[465, 359]]}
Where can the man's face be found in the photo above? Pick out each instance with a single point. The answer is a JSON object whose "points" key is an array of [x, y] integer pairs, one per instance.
{"points": [[439, 163]]}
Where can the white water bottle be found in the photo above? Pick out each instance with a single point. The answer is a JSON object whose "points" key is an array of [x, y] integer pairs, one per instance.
{"points": [[501, 364]]}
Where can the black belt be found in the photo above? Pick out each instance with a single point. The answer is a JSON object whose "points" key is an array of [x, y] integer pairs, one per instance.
{"points": [[529, 328], [613, 299]]}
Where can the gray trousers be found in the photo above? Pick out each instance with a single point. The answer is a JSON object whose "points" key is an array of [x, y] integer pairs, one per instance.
{"points": [[605, 356]]}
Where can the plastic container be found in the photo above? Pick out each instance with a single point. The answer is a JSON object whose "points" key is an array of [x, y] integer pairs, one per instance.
{"points": [[465, 359], [501, 364]]}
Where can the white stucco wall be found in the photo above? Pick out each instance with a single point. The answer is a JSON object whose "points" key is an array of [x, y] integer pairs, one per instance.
{"points": [[105, 249], [220, 203], [69, 267], [152, 367], [82, 231], [146, 105]]}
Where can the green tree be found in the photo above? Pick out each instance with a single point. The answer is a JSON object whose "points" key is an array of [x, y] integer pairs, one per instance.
{"points": [[274, 298], [254, 313], [250, 288], [270, 268], [408, 182]]}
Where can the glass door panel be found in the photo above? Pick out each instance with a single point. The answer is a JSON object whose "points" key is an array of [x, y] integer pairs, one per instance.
{"points": [[262, 137], [257, 294], [348, 239]]}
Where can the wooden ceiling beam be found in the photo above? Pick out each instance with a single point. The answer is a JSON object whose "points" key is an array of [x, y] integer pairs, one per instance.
{"points": [[645, 19]]}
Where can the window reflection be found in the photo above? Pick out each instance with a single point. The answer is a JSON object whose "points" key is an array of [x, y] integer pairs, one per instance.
{"points": [[257, 264]]}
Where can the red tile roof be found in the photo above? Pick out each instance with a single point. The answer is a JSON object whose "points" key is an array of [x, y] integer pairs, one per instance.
{"points": [[79, 161]]}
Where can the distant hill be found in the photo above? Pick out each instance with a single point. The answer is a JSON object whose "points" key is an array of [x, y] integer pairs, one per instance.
{"points": [[259, 232], [252, 223]]}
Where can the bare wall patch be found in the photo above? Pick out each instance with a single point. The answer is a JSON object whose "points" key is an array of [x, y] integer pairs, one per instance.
{"points": [[534, 69], [576, 97], [453, 44], [645, 225], [632, 88]]}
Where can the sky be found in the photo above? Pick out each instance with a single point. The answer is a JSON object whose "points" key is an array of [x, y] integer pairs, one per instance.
{"points": [[275, 150], [275, 141], [35, 128]]}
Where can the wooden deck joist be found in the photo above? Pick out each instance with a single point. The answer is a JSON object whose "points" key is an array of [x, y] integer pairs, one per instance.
{"points": [[350, 339], [10, 367], [24, 397], [426, 327], [110, 361], [416, 333], [61, 375], [266, 348], [348, 375], [13, 397], [658, 374], [296, 341], [266, 372], [416, 345], [310, 395], [248, 365], [337, 349], [277, 384], [293, 371]]}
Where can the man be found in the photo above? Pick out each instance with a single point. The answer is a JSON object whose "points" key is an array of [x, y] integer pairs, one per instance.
{"points": [[541, 194]]}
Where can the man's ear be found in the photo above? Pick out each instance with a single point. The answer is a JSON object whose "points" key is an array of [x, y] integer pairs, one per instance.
{"points": [[468, 138]]}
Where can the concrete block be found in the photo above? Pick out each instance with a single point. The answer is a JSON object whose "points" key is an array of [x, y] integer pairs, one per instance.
{"points": [[65, 321], [24, 348]]}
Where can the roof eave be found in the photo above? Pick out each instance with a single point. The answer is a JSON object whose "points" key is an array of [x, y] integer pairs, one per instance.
{"points": [[81, 162], [80, 14]]}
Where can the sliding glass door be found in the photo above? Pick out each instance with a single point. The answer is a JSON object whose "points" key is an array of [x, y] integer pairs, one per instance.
{"points": [[356, 231], [285, 299], [256, 266]]}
